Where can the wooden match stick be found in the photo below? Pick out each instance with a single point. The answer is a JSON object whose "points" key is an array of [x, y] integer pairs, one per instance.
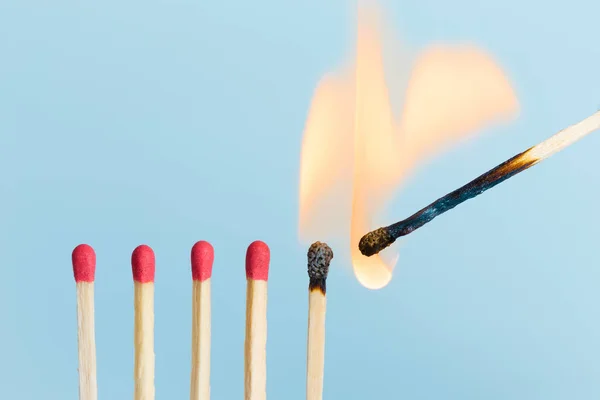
{"points": [[202, 262], [143, 268], [84, 270], [377, 240], [255, 357], [319, 257]]}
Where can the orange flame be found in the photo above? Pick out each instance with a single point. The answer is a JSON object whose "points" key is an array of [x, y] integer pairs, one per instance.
{"points": [[355, 153]]}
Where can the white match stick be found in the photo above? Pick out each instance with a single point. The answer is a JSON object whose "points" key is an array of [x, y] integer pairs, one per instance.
{"points": [[564, 138], [84, 269], [319, 257], [255, 357], [143, 268], [202, 262]]}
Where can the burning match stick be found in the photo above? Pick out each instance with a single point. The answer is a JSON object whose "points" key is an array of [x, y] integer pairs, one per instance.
{"points": [[377, 240], [255, 365], [84, 269], [319, 257], [202, 262], [143, 268]]}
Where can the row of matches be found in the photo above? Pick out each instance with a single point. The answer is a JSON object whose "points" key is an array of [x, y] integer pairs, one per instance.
{"points": [[202, 257]]}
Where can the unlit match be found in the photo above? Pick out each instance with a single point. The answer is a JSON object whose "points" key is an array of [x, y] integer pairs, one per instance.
{"points": [[258, 257], [202, 262], [143, 268], [84, 270], [319, 258], [377, 240]]}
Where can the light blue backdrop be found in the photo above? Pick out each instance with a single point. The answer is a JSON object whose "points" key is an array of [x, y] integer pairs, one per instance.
{"points": [[167, 122]]}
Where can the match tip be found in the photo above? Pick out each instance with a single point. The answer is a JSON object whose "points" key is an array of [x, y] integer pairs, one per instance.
{"points": [[203, 256], [373, 242], [143, 264], [84, 263], [258, 257], [319, 257]]}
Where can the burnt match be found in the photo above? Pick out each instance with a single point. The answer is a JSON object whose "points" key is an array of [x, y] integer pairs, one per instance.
{"points": [[377, 240], [319, 257]]}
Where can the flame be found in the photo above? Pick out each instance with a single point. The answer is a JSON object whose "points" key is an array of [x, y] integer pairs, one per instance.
{"points": [[355, 153]]}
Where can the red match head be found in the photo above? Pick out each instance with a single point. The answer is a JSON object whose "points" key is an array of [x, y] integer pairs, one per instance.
{"points": [[203, 256], [257, 261], [84, 263], [143, 264]]}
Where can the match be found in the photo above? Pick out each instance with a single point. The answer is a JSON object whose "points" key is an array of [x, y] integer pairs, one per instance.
{"points": [[319, 257], [202, 263], [255, 346], [377, 240], [143, 265], [143, 268], [84, 270]]}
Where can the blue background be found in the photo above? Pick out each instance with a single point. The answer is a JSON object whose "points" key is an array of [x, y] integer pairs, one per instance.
{"points": [[168, 122]]}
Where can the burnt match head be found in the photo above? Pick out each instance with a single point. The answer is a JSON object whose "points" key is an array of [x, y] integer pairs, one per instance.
{"points": [[319, 257], [373, 242]]}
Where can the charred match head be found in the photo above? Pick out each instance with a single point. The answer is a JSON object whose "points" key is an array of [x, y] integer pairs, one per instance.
{"points": [[373, 242], [319, 257]]}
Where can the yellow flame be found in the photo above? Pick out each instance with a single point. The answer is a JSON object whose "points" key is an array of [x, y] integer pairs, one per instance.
{"points": [[354, 152]]}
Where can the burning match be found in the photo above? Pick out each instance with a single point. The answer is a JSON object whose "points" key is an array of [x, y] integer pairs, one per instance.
{"points": [[84, 270], [143, 268], [319, 257], [367, 130], [377, 240], [202, 263]]}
